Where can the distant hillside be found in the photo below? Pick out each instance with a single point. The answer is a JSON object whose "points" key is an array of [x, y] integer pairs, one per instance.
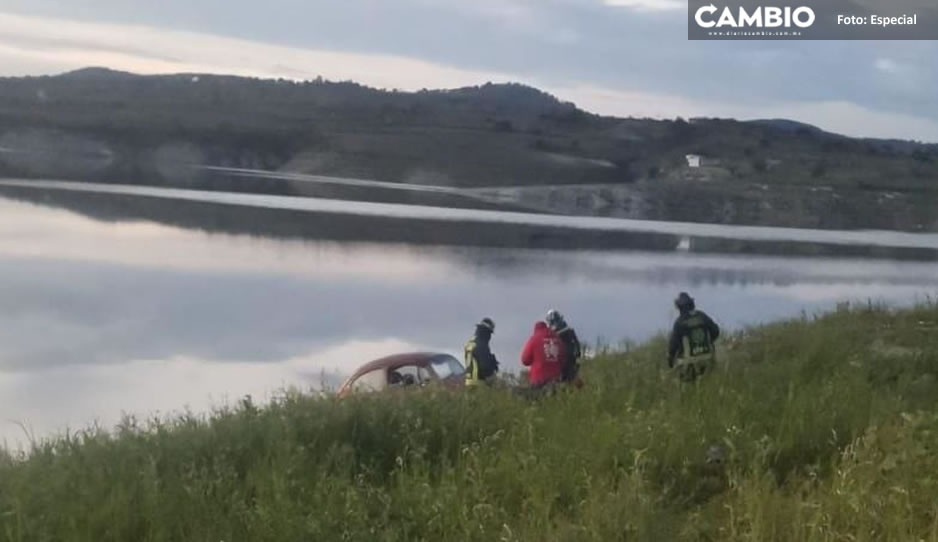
{"points": [[99, 124]]}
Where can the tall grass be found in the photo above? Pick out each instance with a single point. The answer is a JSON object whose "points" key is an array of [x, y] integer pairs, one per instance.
{"points": [[826, 430]]}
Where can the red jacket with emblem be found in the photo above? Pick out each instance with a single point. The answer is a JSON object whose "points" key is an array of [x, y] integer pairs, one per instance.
{"points": [[544, 353]]}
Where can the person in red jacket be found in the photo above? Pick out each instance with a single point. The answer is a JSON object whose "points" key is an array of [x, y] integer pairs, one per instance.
{"points": [[544, 353]]}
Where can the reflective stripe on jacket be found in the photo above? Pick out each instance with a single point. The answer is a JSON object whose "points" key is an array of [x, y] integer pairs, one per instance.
{"points": [[481, 364], [472, 366]]}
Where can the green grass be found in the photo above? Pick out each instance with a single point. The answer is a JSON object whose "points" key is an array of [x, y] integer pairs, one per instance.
{"points": [[829, 426]]}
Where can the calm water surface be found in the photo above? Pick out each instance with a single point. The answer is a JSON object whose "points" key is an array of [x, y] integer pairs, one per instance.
{"points": [[99, 318]]}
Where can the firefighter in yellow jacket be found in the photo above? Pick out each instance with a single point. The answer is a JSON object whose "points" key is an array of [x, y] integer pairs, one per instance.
{"points": [[481, 364]]}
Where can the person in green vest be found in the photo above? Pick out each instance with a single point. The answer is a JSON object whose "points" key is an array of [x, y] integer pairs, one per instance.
{"points": [[691, 350], [481, 364]]}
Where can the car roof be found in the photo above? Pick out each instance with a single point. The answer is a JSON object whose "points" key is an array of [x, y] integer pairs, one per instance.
{"points": [[398, 360]]}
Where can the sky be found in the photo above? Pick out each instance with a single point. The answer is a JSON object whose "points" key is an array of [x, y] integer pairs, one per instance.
{"points": [[617, 57]]}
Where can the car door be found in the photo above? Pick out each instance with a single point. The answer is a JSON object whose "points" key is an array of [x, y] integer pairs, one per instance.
{"points": [[372, 381]]}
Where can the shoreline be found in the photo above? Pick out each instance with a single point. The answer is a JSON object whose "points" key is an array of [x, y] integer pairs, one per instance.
{"points": [[307, 218]]}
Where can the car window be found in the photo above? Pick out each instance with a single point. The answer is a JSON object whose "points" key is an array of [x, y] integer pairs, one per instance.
{"points": [[446, 366], [371, 381], [407, 375]]}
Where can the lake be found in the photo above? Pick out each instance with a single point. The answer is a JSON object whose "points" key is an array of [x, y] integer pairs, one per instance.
{"points": [[113, 305]]}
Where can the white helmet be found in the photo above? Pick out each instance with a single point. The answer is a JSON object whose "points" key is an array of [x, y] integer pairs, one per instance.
{"points": [[554, 318]]}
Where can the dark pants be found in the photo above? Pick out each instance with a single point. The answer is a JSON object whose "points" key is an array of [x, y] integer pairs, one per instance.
{"points": [[690, 371]]}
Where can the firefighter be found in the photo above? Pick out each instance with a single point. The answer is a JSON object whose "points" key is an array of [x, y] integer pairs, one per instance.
{"points": [[481, 363], [691, 350], [573, 351]]}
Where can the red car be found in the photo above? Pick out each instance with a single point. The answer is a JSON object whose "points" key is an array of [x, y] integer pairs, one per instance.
{"points": [[405, 370]]}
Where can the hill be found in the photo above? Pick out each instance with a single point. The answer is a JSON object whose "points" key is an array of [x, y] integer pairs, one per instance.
{"points": [[103, 125], [821, 428]]}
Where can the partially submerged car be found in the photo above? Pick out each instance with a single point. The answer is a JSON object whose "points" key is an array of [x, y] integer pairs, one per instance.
{"points": [[405, 370]]}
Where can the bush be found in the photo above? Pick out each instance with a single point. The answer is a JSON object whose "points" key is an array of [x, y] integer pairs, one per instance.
{"points": [[504, 126], [819, 170]]}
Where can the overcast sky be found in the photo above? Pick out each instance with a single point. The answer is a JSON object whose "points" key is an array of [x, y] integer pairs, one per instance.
{"points": [[622, 57]]}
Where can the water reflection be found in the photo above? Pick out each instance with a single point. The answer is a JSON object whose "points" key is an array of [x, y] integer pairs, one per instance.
{"points": [[102, 317], [320, 219]]}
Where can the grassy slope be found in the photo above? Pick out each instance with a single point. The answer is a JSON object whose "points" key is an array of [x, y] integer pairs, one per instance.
{"points": [[829, 425]]}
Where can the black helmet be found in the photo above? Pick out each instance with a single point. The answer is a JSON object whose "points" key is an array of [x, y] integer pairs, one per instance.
{"points": [[487, 323], [684, 302]]}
